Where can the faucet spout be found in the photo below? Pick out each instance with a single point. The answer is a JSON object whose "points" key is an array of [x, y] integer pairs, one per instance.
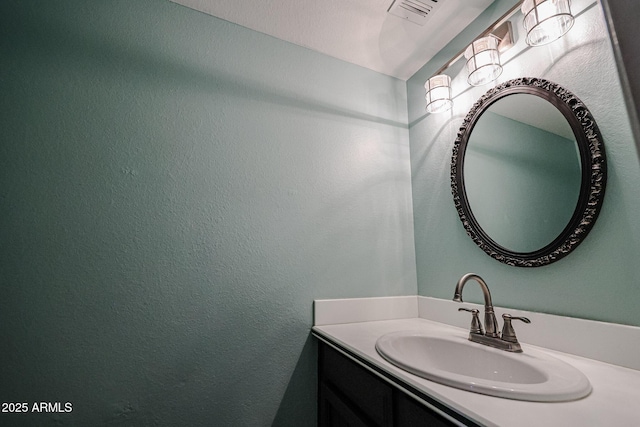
{"points": [[490, 322]]}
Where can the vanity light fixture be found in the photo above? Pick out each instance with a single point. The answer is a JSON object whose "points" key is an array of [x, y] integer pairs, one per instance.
{"points": [[546, 20], [499, 37], [483, 61], [438, 94]]}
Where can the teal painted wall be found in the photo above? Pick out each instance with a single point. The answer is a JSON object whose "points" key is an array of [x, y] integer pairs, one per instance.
{"points": [[175, 191], [599, 280]]}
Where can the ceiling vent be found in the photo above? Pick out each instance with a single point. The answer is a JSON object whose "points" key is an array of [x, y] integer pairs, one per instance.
{"points": [[416, 11]]}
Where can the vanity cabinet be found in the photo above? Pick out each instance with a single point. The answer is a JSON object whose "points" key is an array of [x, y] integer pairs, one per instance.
{"points": [[351, 395]]}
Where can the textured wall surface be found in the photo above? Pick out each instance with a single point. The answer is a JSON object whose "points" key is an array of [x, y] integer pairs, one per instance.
{"points": [[175, 191], [599, 280]]}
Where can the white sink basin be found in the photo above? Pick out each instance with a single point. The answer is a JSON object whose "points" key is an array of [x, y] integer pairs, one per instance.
{"points": [[455, 361]]}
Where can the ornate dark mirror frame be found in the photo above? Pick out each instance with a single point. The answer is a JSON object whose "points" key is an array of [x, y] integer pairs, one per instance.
{"points": [[593, 180]]}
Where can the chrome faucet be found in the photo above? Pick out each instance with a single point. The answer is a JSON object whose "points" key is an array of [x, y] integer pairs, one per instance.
{"points": [[490, 322], [490, 336]]}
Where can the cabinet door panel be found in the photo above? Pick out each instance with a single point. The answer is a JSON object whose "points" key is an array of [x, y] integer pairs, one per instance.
{"points": [[364, 390], [410, 413], [351, 396], [334, 412]]}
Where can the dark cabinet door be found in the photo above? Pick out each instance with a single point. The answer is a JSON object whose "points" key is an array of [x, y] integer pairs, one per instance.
{"points": [[410, 413], [336, 412], [366, 396], [351, 396]]}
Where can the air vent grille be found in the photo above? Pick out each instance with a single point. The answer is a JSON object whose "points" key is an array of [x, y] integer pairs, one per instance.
{"points": [[416, 11]]}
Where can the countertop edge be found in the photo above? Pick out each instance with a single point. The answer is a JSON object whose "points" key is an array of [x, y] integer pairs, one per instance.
{"points": [[428, 400], [615, 388]]}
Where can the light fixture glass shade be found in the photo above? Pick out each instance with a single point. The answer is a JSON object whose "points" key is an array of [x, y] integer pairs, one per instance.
{"points": [[546, 20], [438, 94], [483, 61]]}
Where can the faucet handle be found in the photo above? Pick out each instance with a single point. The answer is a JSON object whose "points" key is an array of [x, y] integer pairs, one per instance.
{"points": [[476, 326], [508, 333]]}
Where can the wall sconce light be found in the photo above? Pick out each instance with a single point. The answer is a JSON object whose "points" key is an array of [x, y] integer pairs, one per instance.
{"points": [[483, 61], [546, 20], [438, 94]]}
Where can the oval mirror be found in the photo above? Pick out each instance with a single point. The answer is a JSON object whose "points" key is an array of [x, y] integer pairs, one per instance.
{"points": [[528, 172]]}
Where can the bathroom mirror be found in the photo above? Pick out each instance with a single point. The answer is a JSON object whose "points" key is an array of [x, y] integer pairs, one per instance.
{"points": [[528, 172]]}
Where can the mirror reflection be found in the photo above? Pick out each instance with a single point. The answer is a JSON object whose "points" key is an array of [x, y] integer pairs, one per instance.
{"points": [[522, 172]]}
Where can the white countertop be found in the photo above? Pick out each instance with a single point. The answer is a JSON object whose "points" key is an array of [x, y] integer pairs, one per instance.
{"points": [[616, 389]]}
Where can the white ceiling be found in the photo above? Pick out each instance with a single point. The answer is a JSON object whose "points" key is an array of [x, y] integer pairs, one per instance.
{"points": [[358, 31]]}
